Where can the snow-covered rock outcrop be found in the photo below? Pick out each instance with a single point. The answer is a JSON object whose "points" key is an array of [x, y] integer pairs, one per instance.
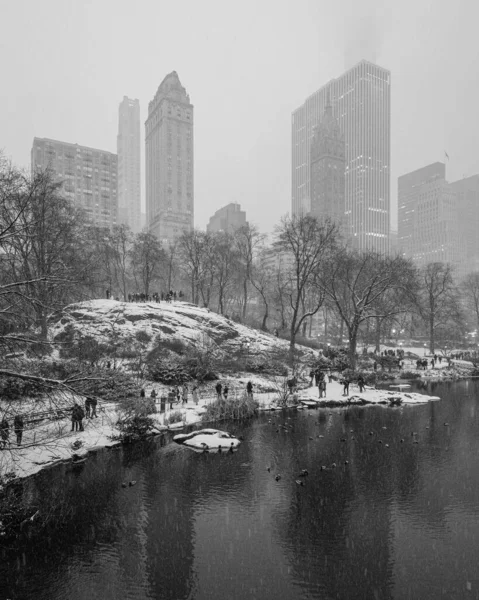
{"points": [[108, 319]]}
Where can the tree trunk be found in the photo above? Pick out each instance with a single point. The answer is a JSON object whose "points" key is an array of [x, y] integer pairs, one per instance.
{"points": [[245, 297], [353, 337], [431, 334], [378, 334]]}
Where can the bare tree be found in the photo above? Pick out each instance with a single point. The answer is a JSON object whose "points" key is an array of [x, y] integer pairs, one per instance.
{"points": [[308, 242], [45, 250], [121, 240], [146, 257], [357, 282], [225, 265], [470, 290], [247, 239], [436, 300]]}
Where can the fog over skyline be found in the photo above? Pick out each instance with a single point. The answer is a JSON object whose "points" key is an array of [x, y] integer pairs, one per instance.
{"points": [[67, 64]]}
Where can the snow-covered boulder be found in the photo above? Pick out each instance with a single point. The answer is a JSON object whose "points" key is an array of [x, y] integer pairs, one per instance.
{"points": [[108, 320], [208, 439]]}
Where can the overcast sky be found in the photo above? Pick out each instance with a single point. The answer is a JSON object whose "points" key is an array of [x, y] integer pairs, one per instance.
{"points": [[66, 65]]}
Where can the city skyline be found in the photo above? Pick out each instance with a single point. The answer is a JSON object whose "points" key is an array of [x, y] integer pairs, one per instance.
{"points": [[244, 94]]}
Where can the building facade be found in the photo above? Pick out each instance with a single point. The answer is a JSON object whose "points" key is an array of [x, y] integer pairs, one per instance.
{"points": [[169, 161], [89, 176], [361, 103], [328, 169], [228, 218], [129, 164], [467, 209], [428, 220]]}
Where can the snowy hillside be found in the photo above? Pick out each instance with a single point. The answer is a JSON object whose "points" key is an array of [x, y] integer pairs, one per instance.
{"points": [[103, 319]]}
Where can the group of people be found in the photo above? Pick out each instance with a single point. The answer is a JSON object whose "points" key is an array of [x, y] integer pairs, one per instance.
{"points": [[156, 297], [18, 426], [176, 394]]}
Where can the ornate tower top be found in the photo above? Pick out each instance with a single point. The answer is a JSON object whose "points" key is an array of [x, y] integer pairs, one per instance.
{"points": [[327, 139]]}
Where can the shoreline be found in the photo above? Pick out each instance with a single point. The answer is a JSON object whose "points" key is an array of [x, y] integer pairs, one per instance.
{"points": [[28, 460]]}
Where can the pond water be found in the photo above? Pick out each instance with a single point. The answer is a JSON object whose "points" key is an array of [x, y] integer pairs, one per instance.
{"points": [[399, 520]]}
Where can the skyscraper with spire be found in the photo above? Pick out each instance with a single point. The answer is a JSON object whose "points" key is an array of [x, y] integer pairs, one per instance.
{"points": [[169, 161], [361, 103], [328, 168], [129, 162]]}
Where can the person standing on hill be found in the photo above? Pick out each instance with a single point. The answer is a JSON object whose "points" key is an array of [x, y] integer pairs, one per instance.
{"points": [[18, 427], [218, 389]]}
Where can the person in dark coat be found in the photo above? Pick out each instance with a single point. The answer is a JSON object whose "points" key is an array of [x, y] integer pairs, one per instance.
{"points": [[80, 417], [218, 389], [18, 427], [361, 383], [93, 403], [75, 417], [225, 392], [4, 432], [142, 393], [249, 389], [87, 407], [345, 384], [311, 375]]}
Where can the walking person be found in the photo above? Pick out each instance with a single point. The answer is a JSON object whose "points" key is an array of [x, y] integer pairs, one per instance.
{"points": [[225, 392], [361, 383], [93, 404], [184, 393], [87, 407], [320, 380], [194, 393], [249, 390], [75, 417], [153, 395], [80, 417], [18, 428], [4, 432], [345, 384], [177, 394], [218, 389]]}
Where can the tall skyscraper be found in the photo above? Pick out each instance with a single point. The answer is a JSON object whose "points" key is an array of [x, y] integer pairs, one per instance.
{"points": [[228, 218], [89, 176], [169, 161], [129, 161], [328, 169], [428, 220], [467, 210], [361, 103]]}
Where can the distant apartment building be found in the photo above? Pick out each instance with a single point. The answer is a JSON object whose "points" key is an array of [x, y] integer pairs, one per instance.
{"points": [[361, 103], [467, 208], [169, 161], [129, 164], [229, 218], [327, 169], [89, 176], [427, 217]]}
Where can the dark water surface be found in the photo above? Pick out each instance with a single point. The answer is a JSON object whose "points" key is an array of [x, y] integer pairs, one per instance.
{"points": [[396, 522]]}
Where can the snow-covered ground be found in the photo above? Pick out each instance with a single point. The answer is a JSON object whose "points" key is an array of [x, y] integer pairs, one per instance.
{"points": [[53, 442]]}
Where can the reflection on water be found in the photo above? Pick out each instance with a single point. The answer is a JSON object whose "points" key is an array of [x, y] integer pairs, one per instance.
{"points": [[389, 509]]}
